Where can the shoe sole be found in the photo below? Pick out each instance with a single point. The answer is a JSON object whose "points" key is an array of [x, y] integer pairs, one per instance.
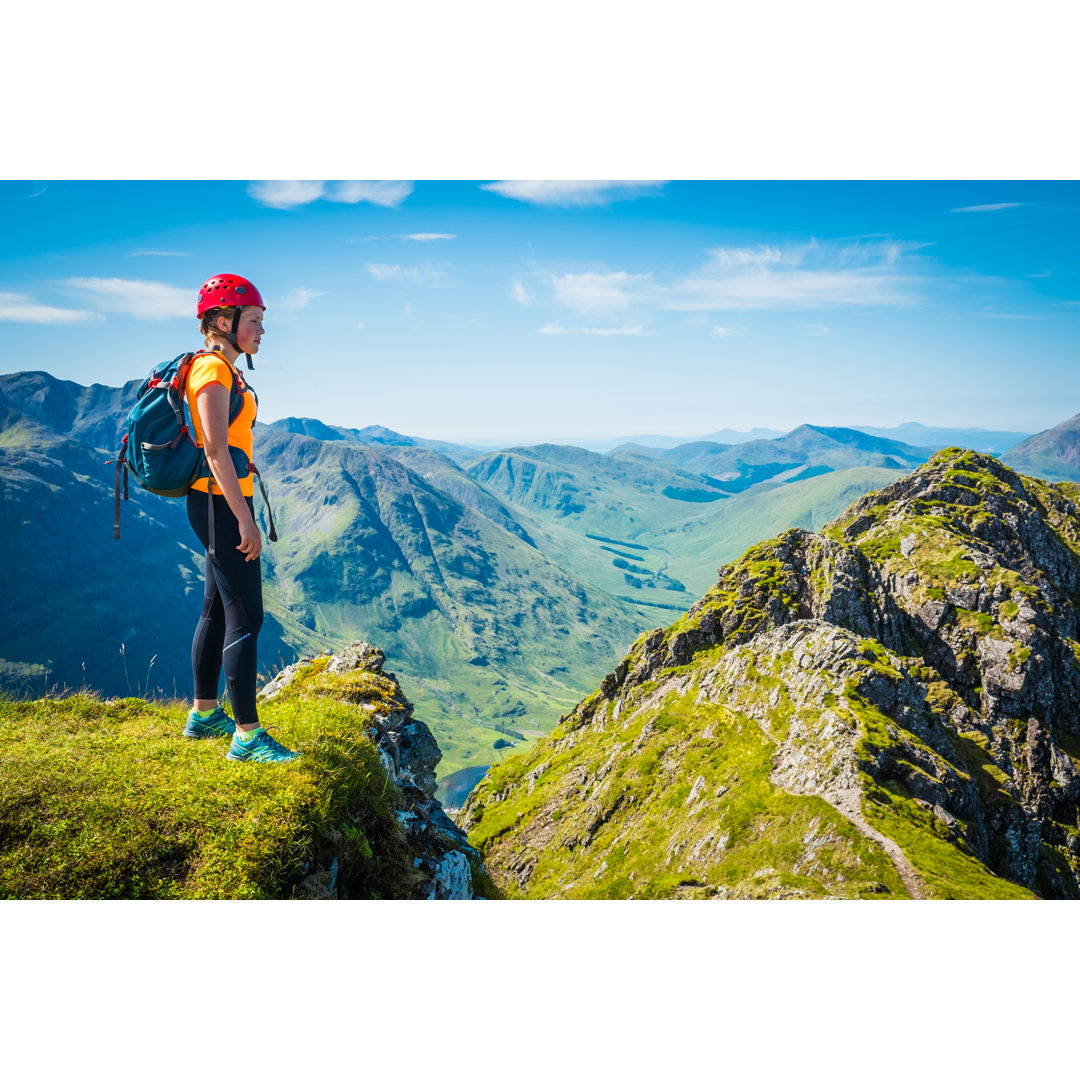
{"points": [[207, 734], [230, 756], [257, 760]]}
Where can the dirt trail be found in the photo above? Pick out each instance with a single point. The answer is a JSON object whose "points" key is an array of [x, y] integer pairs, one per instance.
{"points": [[890, 847]]}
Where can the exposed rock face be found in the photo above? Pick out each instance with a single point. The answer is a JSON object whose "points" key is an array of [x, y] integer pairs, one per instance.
{"points": [[409, 753], [916, 667]]}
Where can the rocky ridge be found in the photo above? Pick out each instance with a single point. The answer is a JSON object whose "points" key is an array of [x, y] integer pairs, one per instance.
{"points": [[888, 708], [447, 867]]}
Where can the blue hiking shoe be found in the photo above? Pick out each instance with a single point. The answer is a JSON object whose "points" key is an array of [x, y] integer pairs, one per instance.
{"points": [[216, 726], [261, 747]]}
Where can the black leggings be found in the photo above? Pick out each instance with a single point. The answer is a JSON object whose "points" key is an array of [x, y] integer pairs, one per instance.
{"points": [[232, 610]]}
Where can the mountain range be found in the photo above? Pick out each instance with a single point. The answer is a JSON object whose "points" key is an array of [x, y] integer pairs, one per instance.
{"points": [[502, 585]]}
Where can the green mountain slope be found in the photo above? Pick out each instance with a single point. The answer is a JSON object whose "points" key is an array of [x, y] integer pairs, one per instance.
{"points": [[717, 536], [590, 492], [482, 626], [887, 708]]}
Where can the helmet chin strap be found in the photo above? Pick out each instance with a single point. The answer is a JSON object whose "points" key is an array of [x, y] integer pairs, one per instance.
{"points": [[234, 341]]}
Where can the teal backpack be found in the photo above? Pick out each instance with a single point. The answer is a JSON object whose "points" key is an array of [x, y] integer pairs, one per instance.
{"points": [[159, 448]]}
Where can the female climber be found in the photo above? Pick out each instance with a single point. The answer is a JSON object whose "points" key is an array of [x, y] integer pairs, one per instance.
{"points": [[221, 511]]}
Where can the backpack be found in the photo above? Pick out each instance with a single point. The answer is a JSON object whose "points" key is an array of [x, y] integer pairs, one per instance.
{"points": [[159, 448]]}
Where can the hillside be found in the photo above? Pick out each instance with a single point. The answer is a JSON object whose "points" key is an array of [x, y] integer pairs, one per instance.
{"points": [[886, 708], [482, 623], [105, 799], [592, 492], [1052, 455]]}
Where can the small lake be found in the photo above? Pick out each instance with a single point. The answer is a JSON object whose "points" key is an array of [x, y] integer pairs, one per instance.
{"points": [[454, 789]]}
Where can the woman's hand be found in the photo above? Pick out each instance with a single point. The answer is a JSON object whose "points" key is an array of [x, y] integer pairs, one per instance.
{"points": [[250, 539]]}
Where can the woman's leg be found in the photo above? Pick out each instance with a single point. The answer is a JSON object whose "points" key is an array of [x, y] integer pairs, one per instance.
{"points": [[236, 591], [207, 644]]}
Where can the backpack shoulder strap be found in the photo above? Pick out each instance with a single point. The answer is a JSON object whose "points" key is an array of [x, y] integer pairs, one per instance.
{"points": [[236, 395]]}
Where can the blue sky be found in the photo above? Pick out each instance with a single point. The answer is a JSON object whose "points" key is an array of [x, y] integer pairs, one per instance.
{"points": [[511, 312]]}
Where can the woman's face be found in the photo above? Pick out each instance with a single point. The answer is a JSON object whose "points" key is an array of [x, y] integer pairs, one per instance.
{"points": [[250, 331]]}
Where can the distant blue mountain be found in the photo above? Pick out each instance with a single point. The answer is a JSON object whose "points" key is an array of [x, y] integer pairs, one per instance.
{"points": [[373, 435], [986, 442]]}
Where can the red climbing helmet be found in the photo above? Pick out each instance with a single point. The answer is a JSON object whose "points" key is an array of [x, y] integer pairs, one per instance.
{"points": [[226, 290]]}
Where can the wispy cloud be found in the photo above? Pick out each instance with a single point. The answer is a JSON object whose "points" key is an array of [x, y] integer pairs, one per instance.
{"points": [[157, 254], [15, 307], [140, 299], [724, 331], [808, 276], [295, 300], [986, 207], [421, 237], [40, 187], [592, 292], [597, 331], [287, 194], [813, 329], [378, 192], [573, 192], [811, 276], [521, 294], [417, 274]]}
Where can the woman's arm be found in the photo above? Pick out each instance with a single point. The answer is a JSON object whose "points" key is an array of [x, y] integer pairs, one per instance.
{"points": [[213, 404]]}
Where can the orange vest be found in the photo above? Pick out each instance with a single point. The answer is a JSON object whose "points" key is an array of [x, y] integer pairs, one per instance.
{"points": [[212, 367]]}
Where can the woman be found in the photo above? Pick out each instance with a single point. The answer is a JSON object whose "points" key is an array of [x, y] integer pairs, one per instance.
{"points": [[221, 511]]}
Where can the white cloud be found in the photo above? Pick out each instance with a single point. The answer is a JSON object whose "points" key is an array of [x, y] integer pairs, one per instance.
{"points": [[379, 192], [792, 290], [813, 329], [294, 301], [573, 192], [521, 294], [723, 331], [422, 237], [285, 194], [810, 275], [418, 274], [599, 292], [762, 255], [597, 331], [14, 307], [986, 208], [139, 299]]}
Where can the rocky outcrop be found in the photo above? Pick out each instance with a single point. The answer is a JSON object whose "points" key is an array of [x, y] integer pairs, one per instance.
{"points": [[447, 866], [916, 667]]}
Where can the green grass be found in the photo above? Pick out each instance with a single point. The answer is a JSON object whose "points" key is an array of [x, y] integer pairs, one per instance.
{"points": [[753, 834], [107, 800]]}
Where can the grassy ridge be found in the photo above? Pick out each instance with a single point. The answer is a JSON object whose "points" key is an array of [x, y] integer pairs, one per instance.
{"points": [[107, 800]]}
